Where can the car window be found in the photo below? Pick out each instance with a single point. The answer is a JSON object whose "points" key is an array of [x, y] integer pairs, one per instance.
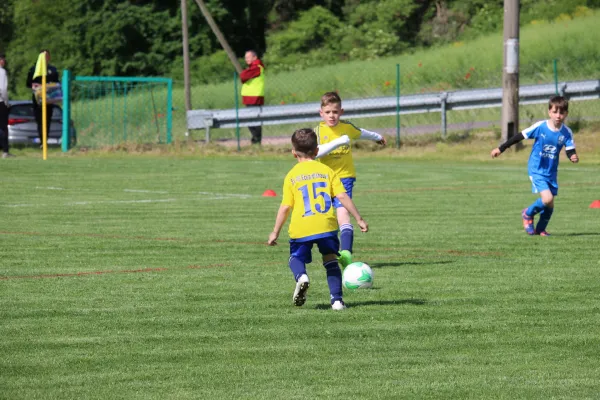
{"points": [[26, 110], [22, 110]]}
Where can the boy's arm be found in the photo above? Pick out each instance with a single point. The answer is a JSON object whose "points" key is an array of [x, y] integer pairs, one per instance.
{"points": [[327, 148], [349, 205], [374, 136], [512, 140], [572, 154], [282, 215]]}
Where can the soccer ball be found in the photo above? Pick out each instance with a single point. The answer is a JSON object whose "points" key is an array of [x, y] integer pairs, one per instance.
{"points": [[357, 275]]}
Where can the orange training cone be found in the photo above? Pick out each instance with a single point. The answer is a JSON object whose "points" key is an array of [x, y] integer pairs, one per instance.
{"points": [[595, 204], [269, 193]]}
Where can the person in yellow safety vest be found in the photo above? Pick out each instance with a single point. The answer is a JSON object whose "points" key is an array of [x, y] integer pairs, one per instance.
{"points": [[253, 88]]}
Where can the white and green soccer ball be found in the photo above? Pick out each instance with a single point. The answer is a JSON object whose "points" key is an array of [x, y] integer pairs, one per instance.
{"points": [[357, 275]]}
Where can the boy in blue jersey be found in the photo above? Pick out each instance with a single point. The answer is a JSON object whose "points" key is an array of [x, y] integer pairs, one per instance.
{"points": [[309, 189], [550, 137], [340, 160]]}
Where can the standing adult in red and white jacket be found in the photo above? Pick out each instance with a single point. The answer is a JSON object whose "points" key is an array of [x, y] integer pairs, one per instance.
{"points": [[253, 88]]}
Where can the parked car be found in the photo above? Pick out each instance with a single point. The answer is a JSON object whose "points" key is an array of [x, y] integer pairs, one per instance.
{"points": [[22, 129]]}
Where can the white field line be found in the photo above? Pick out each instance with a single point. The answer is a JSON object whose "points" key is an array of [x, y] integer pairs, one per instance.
{"points": [[145, 191], [215, 196]]}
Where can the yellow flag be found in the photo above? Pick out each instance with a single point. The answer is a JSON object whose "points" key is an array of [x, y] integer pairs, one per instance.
{"points": [[40, 66]]}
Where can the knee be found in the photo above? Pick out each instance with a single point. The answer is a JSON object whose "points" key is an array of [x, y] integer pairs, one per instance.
{"points": [[329, 257]]}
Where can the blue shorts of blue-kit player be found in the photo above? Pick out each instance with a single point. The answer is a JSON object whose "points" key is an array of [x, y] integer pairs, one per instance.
{"points": [[348, 185], [540, 183], [303, 250]]}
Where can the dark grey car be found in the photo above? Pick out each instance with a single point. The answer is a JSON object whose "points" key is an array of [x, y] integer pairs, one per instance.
{"points": [[22, 129]]}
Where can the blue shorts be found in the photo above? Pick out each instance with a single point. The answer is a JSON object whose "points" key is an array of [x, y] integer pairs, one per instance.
{"points": [[303, 250], [540, 183], [348, 185]]}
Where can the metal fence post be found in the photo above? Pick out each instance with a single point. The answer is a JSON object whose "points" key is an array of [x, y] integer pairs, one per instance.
{"points": [[555, 76], [66, 130], [237, 107], [563, 88], [398, 106], [443, 98]]}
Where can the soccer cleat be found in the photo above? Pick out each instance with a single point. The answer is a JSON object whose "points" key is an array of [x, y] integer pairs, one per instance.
{"points": [[542, 233], [527, 222], [300, 291], [338, 305], [345, 258]]}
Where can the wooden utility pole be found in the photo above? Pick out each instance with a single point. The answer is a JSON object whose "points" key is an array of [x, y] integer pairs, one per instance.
{"points": [[186, 56], [510, 72], [219, 36]]}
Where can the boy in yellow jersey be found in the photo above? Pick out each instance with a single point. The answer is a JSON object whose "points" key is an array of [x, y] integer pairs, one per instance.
{"points": [[308, 192], [340, 160]]}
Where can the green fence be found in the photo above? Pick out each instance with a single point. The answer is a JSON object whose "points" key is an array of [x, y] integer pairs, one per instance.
{"points": [[114, 111]]}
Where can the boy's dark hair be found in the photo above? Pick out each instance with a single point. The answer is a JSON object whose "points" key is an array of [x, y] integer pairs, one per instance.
{"points": [[305, 142], [330, 98], [560, 102]]}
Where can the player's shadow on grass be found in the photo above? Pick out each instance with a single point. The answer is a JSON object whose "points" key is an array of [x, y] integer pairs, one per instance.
{"points": [[399, 264], [352, 304]]}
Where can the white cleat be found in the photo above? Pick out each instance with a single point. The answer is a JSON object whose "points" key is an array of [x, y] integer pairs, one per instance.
{"points": [[301, 289], [338, 305]]}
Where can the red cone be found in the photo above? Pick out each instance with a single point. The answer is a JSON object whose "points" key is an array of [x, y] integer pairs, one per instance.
{"points": [[595, 204], [269, 193]]}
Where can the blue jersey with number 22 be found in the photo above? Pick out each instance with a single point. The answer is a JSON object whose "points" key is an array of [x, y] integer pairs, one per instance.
{"points": [[546, 148], [309, 188]]}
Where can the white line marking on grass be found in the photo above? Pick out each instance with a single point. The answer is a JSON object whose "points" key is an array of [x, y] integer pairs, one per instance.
{"points": [[85, 203], [145, 191], [50, 188], [226, 195]]}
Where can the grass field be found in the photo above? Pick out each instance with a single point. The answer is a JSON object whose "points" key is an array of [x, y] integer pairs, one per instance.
{"points": [[147, 277]]}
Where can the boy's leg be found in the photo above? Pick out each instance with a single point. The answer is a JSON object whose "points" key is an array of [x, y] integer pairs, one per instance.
{"points": [[328, 248], [346, 236], [548, 199], [346, 228], [300, 255], [541, 185]]}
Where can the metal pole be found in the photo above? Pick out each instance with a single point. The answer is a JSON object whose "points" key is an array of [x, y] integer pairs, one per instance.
{"points": [[398, 106], [555, 77], [444, 127], [237, 107], [66, 128], [186, 56], [510, 72], [219, 35]]}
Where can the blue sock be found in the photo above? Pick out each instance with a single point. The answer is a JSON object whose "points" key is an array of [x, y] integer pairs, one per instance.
{"points": [[334, 280], [544, 219], [346, 237], [298, 268], [535, 208]]}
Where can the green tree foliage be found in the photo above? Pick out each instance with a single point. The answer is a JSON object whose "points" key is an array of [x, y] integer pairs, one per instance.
{"points": [[143, 37]]}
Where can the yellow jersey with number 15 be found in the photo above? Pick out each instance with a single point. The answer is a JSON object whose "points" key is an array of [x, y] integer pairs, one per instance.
{"points": [[309, 188], [340, 160]]}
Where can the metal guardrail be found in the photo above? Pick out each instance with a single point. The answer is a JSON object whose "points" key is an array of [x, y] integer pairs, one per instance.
{"points": [[384, 106]]}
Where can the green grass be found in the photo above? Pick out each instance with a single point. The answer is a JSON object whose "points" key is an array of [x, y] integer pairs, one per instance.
{"points": [[146, 276]]}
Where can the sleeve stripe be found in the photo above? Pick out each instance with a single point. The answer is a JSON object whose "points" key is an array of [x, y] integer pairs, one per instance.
{"points": [[527, 131]]}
